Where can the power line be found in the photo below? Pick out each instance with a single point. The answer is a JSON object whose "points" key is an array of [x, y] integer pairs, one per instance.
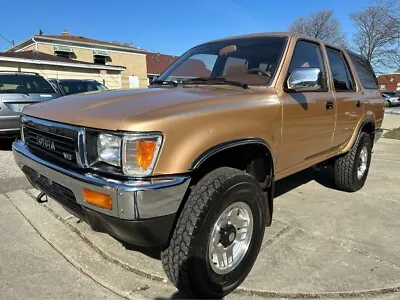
{"points": [[4, 38]]}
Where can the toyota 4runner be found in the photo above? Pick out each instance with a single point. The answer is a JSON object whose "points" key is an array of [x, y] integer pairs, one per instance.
{"points": [[190, 164]]}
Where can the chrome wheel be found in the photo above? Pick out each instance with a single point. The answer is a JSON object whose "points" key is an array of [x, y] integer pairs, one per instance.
{"points": [[362, 163], [230, 238]]}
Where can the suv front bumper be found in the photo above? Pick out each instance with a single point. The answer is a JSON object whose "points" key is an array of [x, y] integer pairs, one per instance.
{"points": [[143, 211]]}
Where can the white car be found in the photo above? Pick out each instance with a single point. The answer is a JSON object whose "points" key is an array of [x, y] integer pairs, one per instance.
{"points": [[391, 98]]}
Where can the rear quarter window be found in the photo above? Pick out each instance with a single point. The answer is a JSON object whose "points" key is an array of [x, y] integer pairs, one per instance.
{"points": [[364, 71]]}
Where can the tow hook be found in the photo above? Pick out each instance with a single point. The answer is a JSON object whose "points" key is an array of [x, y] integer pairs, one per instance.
{"points": [[39, 198]]}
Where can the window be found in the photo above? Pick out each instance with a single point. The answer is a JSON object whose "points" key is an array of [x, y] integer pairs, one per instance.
{"points": [[100, 60], [308, 55], [364, 71], [232, 62], [199, 65], [62, 54], [24, 84], [80, 86], [342, 77], [213, 60], [383, 86]]}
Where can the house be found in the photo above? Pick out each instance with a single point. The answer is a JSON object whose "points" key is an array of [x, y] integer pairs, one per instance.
{"points": [[157, 63], [389, 82], [93, 52], [51, 66]]}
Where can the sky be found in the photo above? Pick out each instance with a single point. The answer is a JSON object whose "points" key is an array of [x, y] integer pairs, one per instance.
{"points": [[168, 27]]}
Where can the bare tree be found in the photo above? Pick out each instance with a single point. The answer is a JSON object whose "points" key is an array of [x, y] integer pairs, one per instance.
{"points": [[322, 25], [377, 37]]}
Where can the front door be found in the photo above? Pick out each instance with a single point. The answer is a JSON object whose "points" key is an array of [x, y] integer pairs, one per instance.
{"points": [[308, 117]]}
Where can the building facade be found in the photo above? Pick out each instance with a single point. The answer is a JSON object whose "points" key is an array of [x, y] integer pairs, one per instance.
{"points": [[77, 48], [389, 82], [157, 63], [51, 66]]}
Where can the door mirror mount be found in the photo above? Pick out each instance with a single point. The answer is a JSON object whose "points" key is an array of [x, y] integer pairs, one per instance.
{"points": [[305, 80]]}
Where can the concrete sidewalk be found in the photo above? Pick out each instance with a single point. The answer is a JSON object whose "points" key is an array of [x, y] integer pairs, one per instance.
{"points": [[323, 243], [391, 121]]}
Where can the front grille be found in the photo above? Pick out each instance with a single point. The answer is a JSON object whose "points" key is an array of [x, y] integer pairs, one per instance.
{"points": [[55, 190], [51, 141]]}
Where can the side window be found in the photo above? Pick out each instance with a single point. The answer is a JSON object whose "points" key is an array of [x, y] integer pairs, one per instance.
{"points": [[308, 55], [364, 71], [342, 77]]}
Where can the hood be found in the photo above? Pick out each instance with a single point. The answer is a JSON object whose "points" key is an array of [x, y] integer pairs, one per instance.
{"points": [[118, 109]]}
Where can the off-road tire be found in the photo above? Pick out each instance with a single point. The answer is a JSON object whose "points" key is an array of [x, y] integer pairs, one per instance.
{"points": [[345, 167], [185, 259]]}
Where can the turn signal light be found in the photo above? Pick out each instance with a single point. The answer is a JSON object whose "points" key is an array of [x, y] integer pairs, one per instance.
{"points": [[98, 199], [145, 153]]}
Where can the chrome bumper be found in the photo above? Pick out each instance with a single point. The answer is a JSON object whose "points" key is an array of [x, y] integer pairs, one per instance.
{"points": [[132, 200]]}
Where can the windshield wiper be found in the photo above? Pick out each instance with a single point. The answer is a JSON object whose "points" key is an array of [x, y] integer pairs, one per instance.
{"points": [[163, 82], [215, 80]]}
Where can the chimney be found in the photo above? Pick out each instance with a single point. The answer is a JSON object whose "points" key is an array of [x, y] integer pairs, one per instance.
{"points": [[65, 33]]}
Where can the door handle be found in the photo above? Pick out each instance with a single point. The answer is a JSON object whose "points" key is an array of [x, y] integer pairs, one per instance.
{"points": [[329, 105]]}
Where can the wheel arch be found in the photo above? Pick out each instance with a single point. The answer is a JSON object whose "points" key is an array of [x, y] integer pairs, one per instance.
{"points": [[367, 126], [199, 166]]}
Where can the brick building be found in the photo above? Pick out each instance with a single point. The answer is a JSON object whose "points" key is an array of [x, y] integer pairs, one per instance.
{"points": [[389, 82]]}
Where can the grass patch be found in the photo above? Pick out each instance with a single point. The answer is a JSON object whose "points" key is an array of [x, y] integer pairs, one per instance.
{"points": [[393, 134]]}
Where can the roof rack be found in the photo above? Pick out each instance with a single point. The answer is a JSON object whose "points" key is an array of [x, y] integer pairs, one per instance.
{"points": [[35, 73]]}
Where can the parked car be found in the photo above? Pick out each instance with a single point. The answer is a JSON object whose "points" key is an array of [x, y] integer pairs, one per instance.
{"points": [[75, 86], [190, 166], [391, 98], [17, 90]]}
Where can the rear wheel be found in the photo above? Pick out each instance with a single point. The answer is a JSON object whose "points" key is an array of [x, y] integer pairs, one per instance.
{"points": [[351, 170], [218, 234]]}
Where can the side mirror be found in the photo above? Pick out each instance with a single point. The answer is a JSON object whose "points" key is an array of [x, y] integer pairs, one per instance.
{"points": [[305, 80]]}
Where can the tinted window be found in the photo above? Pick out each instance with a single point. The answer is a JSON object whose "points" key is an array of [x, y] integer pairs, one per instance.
{"points": [[342, 77], [76, 86], [364, 71], [308, 55], [24, 84]]}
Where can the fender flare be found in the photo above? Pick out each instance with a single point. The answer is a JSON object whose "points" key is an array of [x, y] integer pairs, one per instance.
{"points": [[240, 142]]}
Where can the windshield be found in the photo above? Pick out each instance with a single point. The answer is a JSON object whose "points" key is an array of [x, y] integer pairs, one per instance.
{"points": [[250, 61], [24, 84], [76, 86]]}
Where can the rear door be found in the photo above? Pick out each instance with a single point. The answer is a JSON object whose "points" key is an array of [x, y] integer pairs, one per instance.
{"points": [[349, 106]]}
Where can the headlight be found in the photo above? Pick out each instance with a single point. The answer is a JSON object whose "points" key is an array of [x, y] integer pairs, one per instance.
{"points": [[109, 149], [139, 154], [136, 155]]}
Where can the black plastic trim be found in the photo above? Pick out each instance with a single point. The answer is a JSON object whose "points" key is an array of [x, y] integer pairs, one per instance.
{"points": [[152, 232], [226, 145]]}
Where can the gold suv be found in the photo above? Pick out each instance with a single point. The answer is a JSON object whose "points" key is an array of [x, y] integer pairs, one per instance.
{"points": [[189, 164]]}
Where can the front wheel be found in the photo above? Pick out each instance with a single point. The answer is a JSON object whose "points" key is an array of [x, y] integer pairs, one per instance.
{"points": [[218, 234]]}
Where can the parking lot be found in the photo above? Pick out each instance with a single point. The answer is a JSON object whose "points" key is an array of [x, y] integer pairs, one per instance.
{"points": [[323, 243]]}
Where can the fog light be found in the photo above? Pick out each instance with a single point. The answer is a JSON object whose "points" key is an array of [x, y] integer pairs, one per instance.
{"points": [[98, 199]]}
